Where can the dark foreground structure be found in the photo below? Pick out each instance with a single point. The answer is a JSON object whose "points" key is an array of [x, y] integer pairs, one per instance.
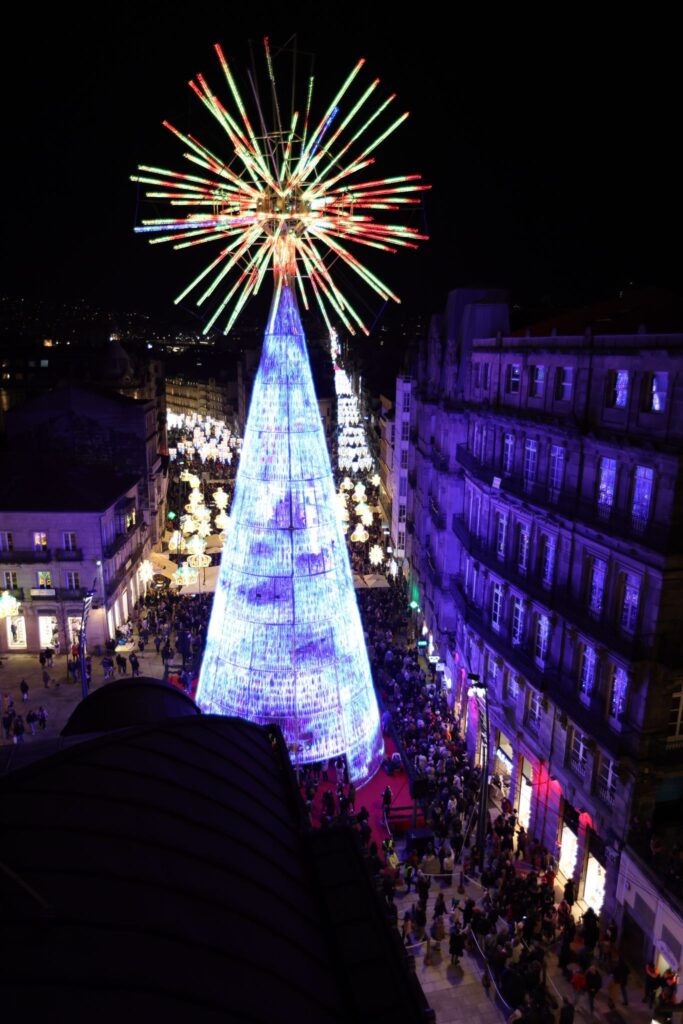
{"points": [[158, 862]]}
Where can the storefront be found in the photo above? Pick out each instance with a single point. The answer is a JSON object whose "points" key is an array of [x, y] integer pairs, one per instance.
{"points": [[73, 625], [502, 763], [16, 632], [48, 633], [594, 884], [526, 781], [569, 840]]}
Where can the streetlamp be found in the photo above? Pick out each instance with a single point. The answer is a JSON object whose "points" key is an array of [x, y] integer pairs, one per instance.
{"points": [[479, 690]]}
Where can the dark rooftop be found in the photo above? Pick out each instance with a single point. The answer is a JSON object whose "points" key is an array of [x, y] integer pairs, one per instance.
{"points": [[169, 870], [30, 482]]}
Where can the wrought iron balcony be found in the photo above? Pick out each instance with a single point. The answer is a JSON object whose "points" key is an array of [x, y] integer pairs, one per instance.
{"points": [[122, 538], [71, 593], [69, 554], [25, 557], [578, 765], [438, 517], [606, 793]]}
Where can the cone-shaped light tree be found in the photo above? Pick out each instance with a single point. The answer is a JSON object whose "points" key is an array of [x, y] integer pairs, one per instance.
{"points": [[285, 642]]}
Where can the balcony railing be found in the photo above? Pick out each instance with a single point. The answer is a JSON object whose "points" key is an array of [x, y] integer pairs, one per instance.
{"points": [[438, 517], [605, 792], [25, 557], [562, 600], [71, 593], [656, 535], [69, 554], [116, 580], [111, 549], [578, 765]]}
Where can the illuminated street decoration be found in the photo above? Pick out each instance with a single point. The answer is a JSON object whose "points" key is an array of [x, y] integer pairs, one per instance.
{"points": [[296, 187], [376, 555], [9, 606], [285, 642]]}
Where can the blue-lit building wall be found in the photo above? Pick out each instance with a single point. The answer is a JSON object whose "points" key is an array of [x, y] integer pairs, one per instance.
{"points": [[285, 641]]}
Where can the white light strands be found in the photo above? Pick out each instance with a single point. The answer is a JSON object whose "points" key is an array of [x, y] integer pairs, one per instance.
{"points": [[285, 642]]}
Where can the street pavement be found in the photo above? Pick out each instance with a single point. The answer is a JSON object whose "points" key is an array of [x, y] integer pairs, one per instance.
{"points": [[62, 695]]}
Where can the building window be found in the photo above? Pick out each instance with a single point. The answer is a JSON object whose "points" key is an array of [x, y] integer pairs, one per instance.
{"points": [[523, 549], [477, 375], [393, 435], [547, 559], [578, 754], [596, 586], [530, 462], [44, 580], [497, 606], [537, 381], [405, 431], [406, 401], [518, 616], [556, 471], [501, 535], [607, 481], [617, 389], [564, 379], [587, 670], [534, 711], [476, 441], [69, 541], [6, 541], [511, 686], [630, 601], [40, 541], [487, 376], [656, 387], [72, 580], [508, 453], [404, 458], [403, 486], [643, 482], [618, 692], [541, 639], [676, 716], [513, 377], [10, 580], [607, 780], [401, 513]]}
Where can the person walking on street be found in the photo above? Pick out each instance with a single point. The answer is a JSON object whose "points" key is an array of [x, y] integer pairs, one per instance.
{"points": [[121, 664], [620, 977], [387, 796], [134, 663], [593, 985], [46, 678], [23, 686], [652, 983]]}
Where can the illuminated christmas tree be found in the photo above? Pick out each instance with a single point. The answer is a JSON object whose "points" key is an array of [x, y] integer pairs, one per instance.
{"points": [[285, 642]]}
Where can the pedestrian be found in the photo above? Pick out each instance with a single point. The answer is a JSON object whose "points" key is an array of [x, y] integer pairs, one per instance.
{"points": [[593, 984], [23, 686], [566, 1012], [42, 659], [578, 983], [42, 718], [387, 796], [46, 678], [122, 664], [31, 720], [652, 983], [456, 945], [569, 894], [619, 977], [157, 643], [19, 729], [134, 663]]}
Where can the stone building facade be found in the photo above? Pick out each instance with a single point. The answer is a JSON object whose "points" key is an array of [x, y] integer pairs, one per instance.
{"points": [[545, 493], [58, 545]]}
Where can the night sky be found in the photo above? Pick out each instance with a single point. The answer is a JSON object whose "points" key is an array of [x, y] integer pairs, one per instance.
{"points": [[552, 149]]}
